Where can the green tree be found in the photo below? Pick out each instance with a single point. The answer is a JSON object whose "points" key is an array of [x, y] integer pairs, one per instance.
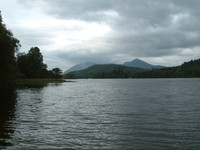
{"points": [[57, 72], [31, 64], [8, 46], [22, 61], [35, 62]]}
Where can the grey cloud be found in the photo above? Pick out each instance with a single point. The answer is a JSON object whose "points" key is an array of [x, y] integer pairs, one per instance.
{"points": [[141, 28], [30, 38], [83, 55]]}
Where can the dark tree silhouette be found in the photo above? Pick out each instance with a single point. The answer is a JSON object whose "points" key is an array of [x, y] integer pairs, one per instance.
{"points": [[35, 62], [31, 64], [8, 46], [57, 72]]}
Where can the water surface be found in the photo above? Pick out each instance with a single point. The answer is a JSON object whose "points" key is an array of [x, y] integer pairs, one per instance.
{"points": [[105, 114]]}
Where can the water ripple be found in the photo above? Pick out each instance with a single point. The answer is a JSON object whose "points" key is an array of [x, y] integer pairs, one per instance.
{"points": [[126, 114]]}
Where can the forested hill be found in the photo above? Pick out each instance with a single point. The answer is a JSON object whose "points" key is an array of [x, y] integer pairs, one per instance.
{"points": [[189, 69], [104, 71], [137, 63]]}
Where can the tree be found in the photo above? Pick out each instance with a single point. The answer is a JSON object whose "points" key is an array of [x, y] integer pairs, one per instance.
{"points": [[57, 72], [31, 64], [35, 62], [22, 62], [8, 46]]}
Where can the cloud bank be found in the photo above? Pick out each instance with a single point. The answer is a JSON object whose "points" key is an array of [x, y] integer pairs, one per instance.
{"points": [[107, 31]]}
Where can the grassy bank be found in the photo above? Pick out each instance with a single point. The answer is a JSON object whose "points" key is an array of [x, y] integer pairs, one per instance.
{"points": [[39, 81]]}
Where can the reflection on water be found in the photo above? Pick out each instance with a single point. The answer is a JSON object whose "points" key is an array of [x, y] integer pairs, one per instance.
{"points": [[28, 85], [7, 117], [36, 85], [128, 114]]}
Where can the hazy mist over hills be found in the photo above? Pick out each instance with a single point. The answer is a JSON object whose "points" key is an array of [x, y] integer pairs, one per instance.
{"points": [[136, 63], [103, 71], [189, 69], [79, 67]]}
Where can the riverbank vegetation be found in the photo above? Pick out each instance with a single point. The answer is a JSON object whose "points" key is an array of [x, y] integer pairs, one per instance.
{"points": [[9, 45], [38, 81], [20, 67], [31, 66]]}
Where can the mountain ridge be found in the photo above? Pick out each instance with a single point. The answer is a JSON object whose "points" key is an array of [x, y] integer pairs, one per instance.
{"points": [[80, 66], [189, 69], [138, 63], [103, 71]]}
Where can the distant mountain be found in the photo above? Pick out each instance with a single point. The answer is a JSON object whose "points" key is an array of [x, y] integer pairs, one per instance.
{"points": [[137, 63], [79, 67], [189, 69], [104, 71]]}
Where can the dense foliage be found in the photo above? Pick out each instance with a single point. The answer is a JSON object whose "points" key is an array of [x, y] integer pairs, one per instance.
{"points": [[57, 73], [8, 46], [189, 69], [103, 71], [31, 66], [28, 65]]}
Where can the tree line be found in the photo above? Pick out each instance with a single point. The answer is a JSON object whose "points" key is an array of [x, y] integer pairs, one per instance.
{"points": [[103, 71], [31, 66], [189, 69], [9, 45], [23, 65]]}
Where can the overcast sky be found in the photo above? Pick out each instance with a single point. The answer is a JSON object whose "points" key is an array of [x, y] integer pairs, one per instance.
{"points": [[69, 32]]}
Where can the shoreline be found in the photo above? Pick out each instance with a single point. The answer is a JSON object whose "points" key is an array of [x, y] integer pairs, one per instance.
{"points": [[40, 81]]}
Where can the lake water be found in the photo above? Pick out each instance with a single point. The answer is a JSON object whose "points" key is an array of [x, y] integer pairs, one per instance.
{"points": [[105, 114]]}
